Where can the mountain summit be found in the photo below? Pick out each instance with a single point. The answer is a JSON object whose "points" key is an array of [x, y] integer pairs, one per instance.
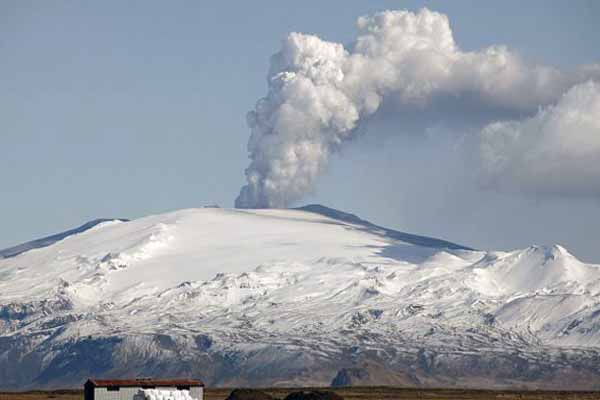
{"points": [[305, 296]]}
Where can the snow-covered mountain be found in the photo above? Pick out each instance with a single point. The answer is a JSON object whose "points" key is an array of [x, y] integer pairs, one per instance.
{"points": [[309, 296], [48, 240]]}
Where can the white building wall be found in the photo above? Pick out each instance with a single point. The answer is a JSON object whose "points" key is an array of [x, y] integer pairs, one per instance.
{"points": [[127, 393], [197, 392], [124, 393]]}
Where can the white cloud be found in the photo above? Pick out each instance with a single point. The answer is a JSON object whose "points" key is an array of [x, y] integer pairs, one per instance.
{"points": [[320, 92], [556, 151]]}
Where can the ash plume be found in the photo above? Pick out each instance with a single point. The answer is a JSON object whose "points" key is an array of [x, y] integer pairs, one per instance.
{"points": [[320, 93]]}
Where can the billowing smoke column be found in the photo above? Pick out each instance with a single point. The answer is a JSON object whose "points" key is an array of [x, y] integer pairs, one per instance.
{"points": [[556, 151], [320, 92]]}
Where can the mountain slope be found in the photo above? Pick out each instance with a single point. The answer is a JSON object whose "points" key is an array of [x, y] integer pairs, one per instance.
{"points": [[48, 240], [284, 297], [390, 233]]}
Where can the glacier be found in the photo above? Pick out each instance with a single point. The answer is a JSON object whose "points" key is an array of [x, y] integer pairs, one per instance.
{"points": [[287, 297]]}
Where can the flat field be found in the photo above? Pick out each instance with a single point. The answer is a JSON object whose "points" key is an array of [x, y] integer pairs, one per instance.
{"points": [[355, 393]]}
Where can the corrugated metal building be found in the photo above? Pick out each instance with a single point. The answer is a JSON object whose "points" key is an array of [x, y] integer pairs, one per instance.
{"points": [[127, 389]]}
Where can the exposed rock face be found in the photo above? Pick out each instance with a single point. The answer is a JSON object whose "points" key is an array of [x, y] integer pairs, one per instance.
{"points": [[349, 376]]}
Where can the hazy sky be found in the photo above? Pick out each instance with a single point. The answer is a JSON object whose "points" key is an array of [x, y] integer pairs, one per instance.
{"points": [[110, 109]]}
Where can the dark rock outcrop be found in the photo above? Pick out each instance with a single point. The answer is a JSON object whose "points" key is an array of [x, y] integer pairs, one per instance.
{"points": [[349, 376], [316, 395], [248, 394]]}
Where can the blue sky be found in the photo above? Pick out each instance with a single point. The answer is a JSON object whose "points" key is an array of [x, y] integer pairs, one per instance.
{"points": [[110, 109]]}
